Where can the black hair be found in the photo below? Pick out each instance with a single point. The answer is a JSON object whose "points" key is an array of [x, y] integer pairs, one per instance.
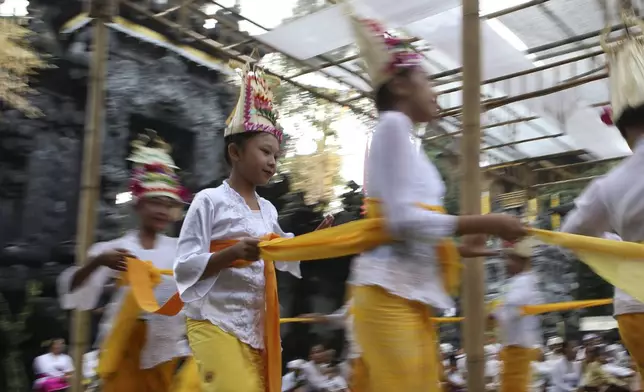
{"points": [[238, 139], [631, 117], [385, 99]]}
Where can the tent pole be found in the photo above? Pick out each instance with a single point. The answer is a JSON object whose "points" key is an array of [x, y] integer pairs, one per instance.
{"points": [[101, 11], [474, 276]]}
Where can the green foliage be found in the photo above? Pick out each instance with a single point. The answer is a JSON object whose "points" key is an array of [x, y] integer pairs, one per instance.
{"points": [[13, 328]]}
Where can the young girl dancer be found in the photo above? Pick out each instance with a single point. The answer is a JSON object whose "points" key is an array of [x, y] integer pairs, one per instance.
{"points": [[396, 285], [223, 284], [156, 343]]}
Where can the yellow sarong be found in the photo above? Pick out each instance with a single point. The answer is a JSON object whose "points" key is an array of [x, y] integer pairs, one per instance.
{"points": [[129, 376], [516, 372], [225, 363], [630, 329], [359, 378], [398, 341]]}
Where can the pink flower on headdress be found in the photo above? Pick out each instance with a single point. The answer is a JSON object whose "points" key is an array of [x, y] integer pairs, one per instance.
{"points": [[136, 188], [185, 194], [607, 116]]}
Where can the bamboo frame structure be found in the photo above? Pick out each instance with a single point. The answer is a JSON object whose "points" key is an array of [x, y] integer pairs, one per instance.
{"points": [[101, 11], [474, 274]]}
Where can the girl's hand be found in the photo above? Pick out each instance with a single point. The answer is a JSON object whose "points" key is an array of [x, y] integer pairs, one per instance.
{"points": [[327, 222], [475, 246], [246, 249], [114, 259]]}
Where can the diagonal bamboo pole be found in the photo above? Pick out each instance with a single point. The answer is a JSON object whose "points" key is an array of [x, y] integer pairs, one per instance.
{"points": [[474, 284], [101, 11]]}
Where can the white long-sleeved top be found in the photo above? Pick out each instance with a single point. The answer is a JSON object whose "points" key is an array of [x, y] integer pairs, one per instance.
{"points": [[565, 376], [515, 329], [400, 176], [233, 299], [165, 338], [342, 318], [53, 365], [614, 203]]}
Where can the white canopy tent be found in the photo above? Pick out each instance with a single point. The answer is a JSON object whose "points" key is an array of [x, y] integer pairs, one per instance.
{"points": [[506, 40]]}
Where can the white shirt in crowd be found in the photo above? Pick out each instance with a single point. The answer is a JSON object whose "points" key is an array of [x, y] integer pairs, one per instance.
{"points": [[52, 365], [614, 203], [408, 267], [514, 328], [165, 338], [566, 376], [233, 299]]}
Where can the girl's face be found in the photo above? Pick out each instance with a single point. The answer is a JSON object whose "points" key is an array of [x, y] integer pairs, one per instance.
{"points": [[257, 159], [156, 213], [416, 88]]}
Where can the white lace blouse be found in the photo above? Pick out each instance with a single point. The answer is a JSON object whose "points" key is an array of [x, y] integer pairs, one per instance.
{"points": [[233, 300], [400, 176], [166, 336]]}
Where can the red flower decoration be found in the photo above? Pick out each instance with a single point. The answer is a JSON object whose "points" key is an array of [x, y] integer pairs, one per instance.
{"points": [[607, 116]]}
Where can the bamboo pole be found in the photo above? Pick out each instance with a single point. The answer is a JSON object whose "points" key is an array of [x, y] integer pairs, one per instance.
{"points": [[474, 274], [498, 102], [101, 11], [570, 181], [593, 162]]}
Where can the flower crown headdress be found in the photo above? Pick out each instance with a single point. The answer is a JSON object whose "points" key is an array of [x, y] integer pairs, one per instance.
{"points": [[383, 54], [255, 110], [153, 174]]}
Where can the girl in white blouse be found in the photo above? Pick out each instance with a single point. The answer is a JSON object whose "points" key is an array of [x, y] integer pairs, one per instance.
{"points": [[219, 275], [396, 285], [156, 343]]}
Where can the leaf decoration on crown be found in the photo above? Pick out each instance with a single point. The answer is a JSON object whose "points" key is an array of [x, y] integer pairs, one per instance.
{"points": [[262, 97], [401, 51]]}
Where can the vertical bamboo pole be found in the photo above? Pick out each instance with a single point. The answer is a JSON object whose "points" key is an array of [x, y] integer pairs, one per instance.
{"points": [[474, 274], [101, 11]]}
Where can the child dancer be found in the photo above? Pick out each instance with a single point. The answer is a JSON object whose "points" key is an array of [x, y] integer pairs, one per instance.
{"points": [[519, 334], [156, 343], [223, 284], [396, 285]]}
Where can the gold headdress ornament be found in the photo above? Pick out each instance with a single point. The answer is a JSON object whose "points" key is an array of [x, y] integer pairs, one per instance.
{"points": [[153, 174], [626, 69], [383, 55], [255, 111]]}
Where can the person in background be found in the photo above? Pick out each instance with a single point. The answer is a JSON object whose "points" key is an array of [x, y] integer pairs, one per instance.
{"points": [[595, 378], [492, 367], [335, 383], [53, 370], [519, 333], [566, 372], [541, 371], [294, 380], [554, 348], [454, 381], [150, 354], [353, 369]]}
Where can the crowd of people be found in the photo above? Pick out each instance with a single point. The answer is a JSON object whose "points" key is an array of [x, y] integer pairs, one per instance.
{"points": [[558, 366]]}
